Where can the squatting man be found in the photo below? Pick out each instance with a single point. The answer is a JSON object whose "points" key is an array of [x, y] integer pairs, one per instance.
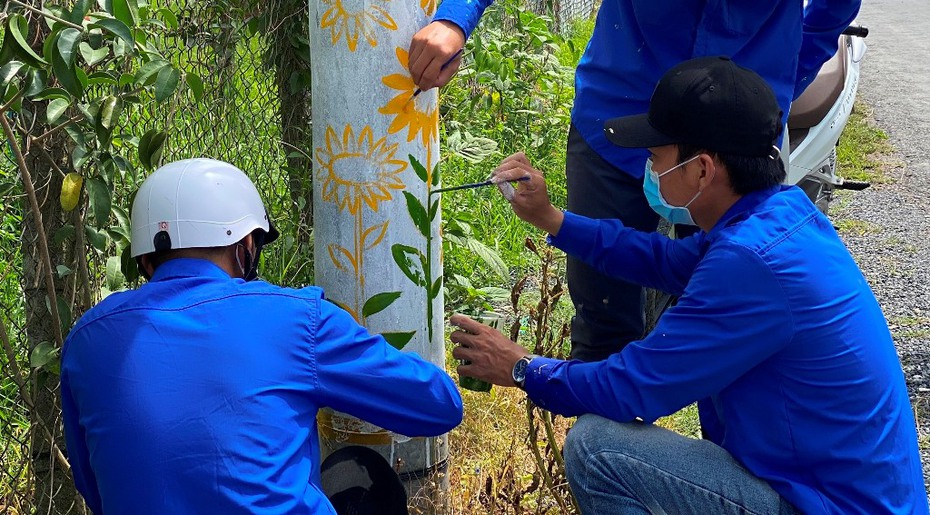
{"points": [[776, 334]]}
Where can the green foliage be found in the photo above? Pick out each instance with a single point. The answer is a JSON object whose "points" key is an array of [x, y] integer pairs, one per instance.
{"points": [[513, 93], [96, 64]]}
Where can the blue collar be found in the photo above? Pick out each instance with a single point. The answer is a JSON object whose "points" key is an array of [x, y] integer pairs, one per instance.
{"points": [[741, 208], [188, 267]]}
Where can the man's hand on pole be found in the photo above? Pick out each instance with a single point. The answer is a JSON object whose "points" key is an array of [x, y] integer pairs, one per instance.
{"points": [[530, 198], [430, 51]]}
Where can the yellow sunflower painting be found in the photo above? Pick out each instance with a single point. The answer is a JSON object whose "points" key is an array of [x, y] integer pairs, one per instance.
{"points": [[355, 170], [352, 24], [429, 6], [406, 108]]}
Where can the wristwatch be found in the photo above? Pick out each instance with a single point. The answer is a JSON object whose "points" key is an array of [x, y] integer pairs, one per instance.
{"points": [[519, 370]]}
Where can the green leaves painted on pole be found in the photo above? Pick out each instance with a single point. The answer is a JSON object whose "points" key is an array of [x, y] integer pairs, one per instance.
{"points": [[417, 214], [379, 303], [418, 168], [166, 82], [100, 201], [411, 262], [398, 340], [151, 146]]}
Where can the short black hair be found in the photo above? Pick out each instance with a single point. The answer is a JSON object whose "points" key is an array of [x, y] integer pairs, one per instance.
{"points": [[747, 174]]}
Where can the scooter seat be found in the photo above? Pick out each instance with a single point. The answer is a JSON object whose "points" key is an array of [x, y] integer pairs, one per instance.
{"points": [[813, 105]]}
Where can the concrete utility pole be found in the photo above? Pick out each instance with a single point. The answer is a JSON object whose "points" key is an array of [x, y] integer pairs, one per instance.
{"points": [[376, 229]]}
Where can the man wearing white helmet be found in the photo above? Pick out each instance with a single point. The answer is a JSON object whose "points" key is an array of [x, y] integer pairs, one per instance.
{"points": [[198, 391]]}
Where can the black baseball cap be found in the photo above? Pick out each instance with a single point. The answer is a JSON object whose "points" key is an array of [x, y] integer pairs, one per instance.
{"points": [[709, 102]]}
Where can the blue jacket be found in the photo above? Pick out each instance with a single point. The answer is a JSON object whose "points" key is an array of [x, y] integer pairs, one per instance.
{"points": [[636, 41], [779, 337], [198, 393]]}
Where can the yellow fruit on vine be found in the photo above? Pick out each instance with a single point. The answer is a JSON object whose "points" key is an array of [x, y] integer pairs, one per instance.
{"points": [[71, 191]]}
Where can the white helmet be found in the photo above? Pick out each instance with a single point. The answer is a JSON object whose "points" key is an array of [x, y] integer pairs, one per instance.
{"points": [[196, 203]]}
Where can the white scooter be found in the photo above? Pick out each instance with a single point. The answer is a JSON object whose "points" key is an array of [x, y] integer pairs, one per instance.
{"points": [[815, 123], [818, 117]]}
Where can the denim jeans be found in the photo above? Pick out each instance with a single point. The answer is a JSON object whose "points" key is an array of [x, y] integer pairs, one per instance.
{"points": [[640, 468], [608, 311]]}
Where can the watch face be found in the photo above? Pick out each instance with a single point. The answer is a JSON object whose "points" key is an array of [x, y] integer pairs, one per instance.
{"points": [[519, 371]]}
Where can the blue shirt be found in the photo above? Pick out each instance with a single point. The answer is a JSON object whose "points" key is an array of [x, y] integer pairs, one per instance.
{"points": [[779, 337], [198, 393], [636, 41]]}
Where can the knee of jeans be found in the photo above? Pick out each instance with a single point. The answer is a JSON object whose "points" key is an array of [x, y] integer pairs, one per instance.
{"points": [[580, 442]]}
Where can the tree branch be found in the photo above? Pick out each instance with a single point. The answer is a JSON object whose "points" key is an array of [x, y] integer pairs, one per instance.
{"points": [[40, 228], [47, 15]]}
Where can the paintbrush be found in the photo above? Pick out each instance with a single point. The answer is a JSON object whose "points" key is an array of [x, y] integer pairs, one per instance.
{"points": [[441, 68], [488, 182]]}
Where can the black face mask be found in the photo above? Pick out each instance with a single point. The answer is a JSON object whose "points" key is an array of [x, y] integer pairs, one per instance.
{"points": [[250, 270]]}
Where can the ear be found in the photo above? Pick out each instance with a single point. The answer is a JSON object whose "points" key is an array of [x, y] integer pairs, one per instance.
{"points": [[146, 263], [709, 169]]}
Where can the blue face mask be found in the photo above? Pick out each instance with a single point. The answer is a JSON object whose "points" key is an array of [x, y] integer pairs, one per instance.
{"points": [[674, 214]]}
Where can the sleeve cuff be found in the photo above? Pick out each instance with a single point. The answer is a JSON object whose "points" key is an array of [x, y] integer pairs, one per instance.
{"points": [[576, 232], [537, 374]]}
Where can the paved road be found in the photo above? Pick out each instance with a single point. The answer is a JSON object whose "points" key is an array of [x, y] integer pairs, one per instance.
{"points": [[894, 251]]}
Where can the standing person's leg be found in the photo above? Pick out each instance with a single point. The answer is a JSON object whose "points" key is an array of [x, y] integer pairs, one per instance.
{"points": [[645, 469], [608, 312]]}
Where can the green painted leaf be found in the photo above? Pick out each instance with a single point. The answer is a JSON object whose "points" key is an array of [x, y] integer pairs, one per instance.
{"points": [[418, 168], [379, 302], [117, 28], [436, 288], [398, 340], [417, 214], [166, 82], [433, 210], [195, 84], [435, 176], [110, 109], [55, 109], [413, 268], [91, 56], [17, 28], [44, 355], [8, 71], [100, 201], [114, 273]]}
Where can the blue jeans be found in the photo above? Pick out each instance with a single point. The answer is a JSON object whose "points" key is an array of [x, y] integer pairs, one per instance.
{"points": [[645, 469]]}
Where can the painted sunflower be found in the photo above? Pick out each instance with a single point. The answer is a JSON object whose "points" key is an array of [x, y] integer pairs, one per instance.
{"points": [[406, 109], [355, 170], [354, 24]]}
